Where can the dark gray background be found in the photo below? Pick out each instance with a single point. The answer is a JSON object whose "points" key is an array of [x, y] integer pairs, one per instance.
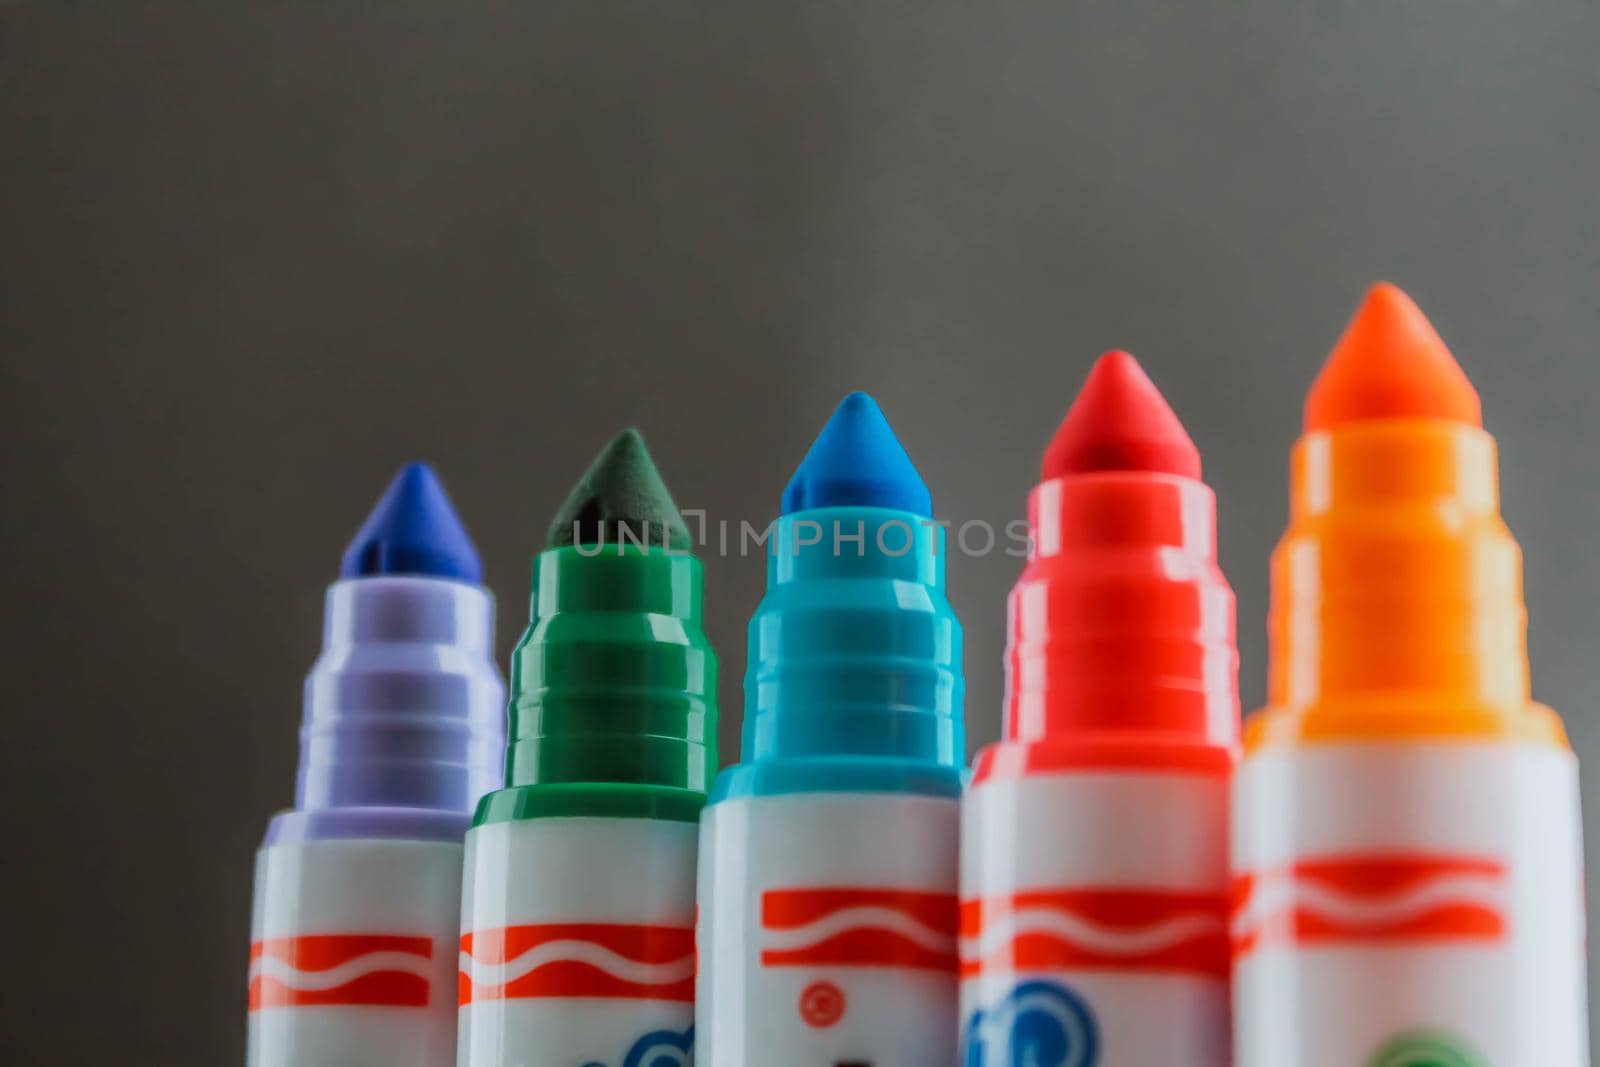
{"points": [[253, 259]]}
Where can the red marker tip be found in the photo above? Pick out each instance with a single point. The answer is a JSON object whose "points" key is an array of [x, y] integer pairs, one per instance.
{"points": [[1120, 422], [1390, 364]]}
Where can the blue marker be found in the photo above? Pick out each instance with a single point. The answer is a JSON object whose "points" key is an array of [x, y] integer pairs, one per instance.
{"points": [[828, 867], [358, 886]]}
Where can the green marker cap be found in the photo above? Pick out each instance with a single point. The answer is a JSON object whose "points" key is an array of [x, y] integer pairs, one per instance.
{"points": [[613, 686]]}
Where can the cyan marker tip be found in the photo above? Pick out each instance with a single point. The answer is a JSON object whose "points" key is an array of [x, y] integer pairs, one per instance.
{"points": [[857, 461], [413, 530]]}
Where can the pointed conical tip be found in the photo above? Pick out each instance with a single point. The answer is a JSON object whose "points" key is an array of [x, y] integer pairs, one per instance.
{"points": [[620, 499], [1120, 422], [1390, 364], [857, 461], [413, 530]]}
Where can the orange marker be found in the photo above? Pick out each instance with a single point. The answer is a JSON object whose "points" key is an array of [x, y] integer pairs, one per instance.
{"points": [[1406, 839]]}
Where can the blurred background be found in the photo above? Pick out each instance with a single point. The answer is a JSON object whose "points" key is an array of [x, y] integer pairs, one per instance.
{"points": [[254, 258]]}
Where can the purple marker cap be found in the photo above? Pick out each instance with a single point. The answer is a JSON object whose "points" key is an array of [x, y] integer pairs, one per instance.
{"points": [[404, 722]]}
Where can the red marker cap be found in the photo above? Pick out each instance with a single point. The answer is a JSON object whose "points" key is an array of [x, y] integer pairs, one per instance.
{"points": [[1122, 649]]}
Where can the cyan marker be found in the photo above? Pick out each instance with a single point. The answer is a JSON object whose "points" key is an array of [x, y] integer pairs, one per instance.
{"points": [[827, 931]]}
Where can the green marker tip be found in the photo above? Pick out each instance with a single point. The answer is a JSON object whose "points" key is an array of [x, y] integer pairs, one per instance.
{"points": [[620, 499]]}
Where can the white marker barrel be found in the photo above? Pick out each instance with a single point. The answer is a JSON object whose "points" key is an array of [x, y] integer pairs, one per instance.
{"points": [[1094, 919], [1412, 903], [578, 943], [346, 971], [827, 931]]}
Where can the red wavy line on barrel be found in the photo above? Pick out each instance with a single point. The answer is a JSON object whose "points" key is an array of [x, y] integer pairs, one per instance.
{"points": [[587, 957], [1118, 929], [311, 954], [1373, 882], [876, 927]]}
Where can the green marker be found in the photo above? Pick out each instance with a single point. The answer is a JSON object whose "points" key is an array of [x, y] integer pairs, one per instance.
{"points": [[578, 905]]}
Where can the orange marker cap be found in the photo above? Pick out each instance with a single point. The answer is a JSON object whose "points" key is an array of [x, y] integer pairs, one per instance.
{"points": [[1397, 608]]}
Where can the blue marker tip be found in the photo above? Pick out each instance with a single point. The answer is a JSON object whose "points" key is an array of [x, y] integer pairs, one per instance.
{"points": [[413, 530], [857, 460]]}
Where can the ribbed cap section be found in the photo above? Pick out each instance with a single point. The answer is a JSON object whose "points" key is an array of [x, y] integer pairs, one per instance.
{"points": [[1397, 605], [404, 708], [614, 681], [855, 651]]}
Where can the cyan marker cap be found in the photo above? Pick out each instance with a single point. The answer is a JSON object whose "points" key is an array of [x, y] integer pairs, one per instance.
{"points": [[853, 678]]}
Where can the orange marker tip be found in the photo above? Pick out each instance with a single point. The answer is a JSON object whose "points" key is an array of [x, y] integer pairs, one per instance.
{"points": [[1120, 422], [1390, 364]]}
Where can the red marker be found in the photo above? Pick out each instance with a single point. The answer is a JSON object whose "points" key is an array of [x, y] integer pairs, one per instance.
{"points": [[1094, 834]]}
